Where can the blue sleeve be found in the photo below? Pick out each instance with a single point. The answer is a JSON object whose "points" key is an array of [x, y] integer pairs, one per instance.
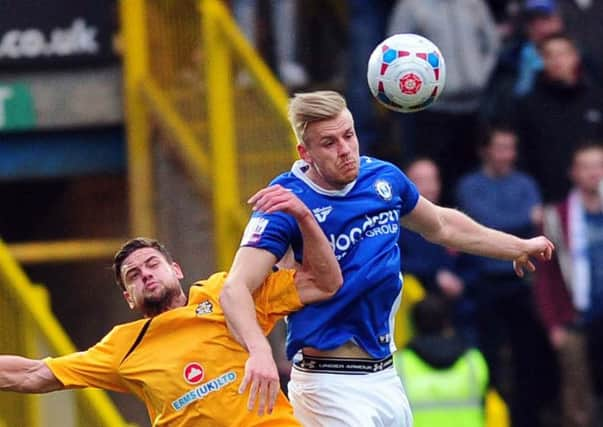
{"points": [[272, 232], [409, 194]]}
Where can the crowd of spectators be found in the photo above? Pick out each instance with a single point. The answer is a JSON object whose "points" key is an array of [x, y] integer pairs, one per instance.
{"points": [[515, 141]]}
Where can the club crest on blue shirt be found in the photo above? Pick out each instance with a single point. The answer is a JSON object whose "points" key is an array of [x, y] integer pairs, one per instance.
{"points": [[384, 189], [205, 307]]}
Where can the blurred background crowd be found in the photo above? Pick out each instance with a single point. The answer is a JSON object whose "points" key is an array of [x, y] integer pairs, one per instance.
{"points": [[515, 141]]}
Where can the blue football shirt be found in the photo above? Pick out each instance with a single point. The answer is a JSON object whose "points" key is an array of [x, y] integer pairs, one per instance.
{"points": [[362, 223]]}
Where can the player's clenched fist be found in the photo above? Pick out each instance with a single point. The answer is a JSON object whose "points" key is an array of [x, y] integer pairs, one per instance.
{"points": [[277, 198]]}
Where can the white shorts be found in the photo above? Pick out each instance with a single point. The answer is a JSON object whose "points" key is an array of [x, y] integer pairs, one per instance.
{"points": [[347, 400]]}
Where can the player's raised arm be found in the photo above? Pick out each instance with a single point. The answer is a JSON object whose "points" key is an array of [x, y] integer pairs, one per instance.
{"points": [[319, 278], [23, 375], [249, 269], [320, 275], [454, 229]]}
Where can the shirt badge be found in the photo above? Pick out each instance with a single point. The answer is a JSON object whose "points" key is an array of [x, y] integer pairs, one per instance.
{"points": [[254, 230], [193, 373], [322, 213], [205, 307], [384, 189]]}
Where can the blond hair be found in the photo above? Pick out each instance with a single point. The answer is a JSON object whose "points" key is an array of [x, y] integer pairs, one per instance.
{"points": [[305, 108]]}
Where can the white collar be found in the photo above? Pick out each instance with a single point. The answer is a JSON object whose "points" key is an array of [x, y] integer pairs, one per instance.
{"points": [[300, 168]]}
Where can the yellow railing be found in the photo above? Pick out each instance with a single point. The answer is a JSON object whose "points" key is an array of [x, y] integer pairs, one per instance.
{"points": [[28, 328], [64, 250], [190, 73]]}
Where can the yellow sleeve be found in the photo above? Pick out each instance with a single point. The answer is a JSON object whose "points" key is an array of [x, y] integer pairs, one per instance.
{"points": [[96, 367], [276, 298], [208, 288]]}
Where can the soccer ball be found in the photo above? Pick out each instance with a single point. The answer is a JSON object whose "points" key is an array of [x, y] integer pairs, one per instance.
{"points": [[406, 73]]}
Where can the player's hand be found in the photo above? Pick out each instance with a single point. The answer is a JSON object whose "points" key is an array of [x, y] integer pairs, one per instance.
{"points": [[277, 198], [262, 377], [538, 247]]}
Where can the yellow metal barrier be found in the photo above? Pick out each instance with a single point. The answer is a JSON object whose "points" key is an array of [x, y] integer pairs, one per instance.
{"points": [[30, 329], [193, 157], [222, 109], [135, 61], [218, 74], [64, 250], [231, 37]]}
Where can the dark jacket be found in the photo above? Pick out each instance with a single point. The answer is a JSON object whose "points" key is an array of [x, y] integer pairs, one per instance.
{"points": [[552, 120]]}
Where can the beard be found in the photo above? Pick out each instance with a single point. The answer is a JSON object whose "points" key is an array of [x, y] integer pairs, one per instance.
{"points": [[152, 305]]}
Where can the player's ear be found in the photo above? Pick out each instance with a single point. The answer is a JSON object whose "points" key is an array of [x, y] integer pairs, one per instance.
{"points": [[302, 150], [129, 300], [177, 270]]}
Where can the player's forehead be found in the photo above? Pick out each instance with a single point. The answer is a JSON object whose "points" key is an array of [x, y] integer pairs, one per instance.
{"points": [[331, 127], [138, 258]]}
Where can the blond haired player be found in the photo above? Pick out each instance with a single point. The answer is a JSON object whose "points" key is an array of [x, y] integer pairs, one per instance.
{"points": [[341, 348], [181, 360]]}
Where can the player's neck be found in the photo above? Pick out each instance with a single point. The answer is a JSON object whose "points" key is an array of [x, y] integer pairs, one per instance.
{"points": [[318, 180]]}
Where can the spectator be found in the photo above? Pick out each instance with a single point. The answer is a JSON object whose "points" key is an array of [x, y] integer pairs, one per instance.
{"points": [[584, 20], [507, 200], [564, 107], [465, 32], [542, 19], [432, 264], [445, 380], [439, 270], [581, 19], [569, 290], [284, 28]]}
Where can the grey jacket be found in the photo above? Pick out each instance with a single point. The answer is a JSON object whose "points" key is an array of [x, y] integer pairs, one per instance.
{"points": [[466, 33]]}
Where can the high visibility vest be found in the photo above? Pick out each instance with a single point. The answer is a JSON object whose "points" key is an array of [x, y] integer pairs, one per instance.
{"points": [[452, 397]]}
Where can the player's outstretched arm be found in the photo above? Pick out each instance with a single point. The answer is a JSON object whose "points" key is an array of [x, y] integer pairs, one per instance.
{"points": [[454, 229], [248, 271], [320, 276], [23, 375]]}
